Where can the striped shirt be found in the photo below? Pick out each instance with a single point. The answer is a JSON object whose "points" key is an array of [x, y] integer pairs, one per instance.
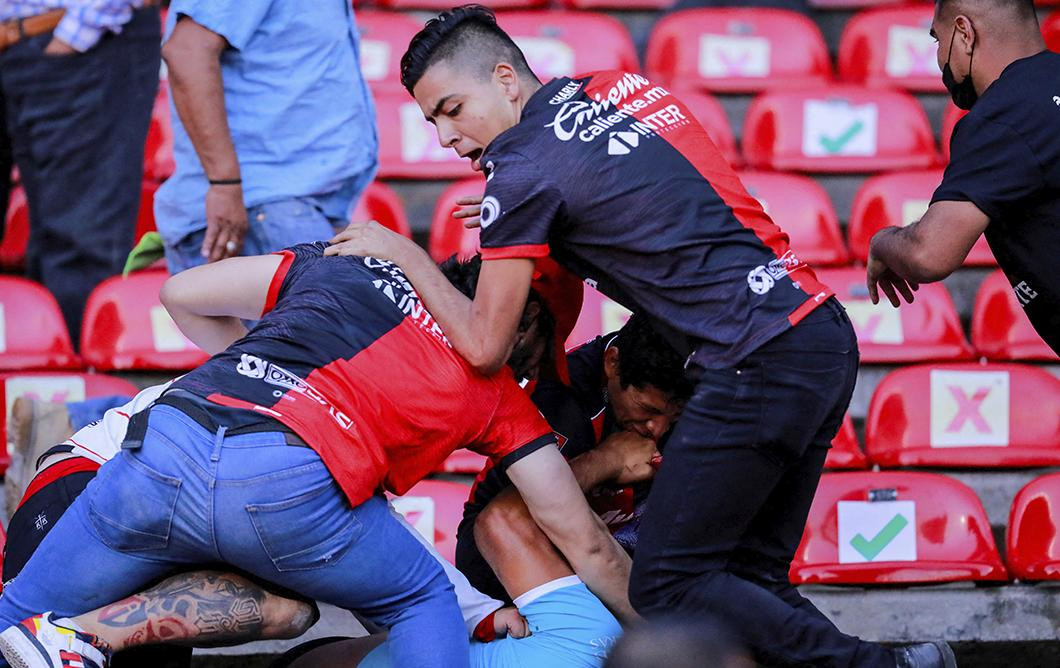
{"points": [[85, 21]]}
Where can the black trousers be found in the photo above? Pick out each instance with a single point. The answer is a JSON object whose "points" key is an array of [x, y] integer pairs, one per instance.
{"points": [[729, 504], [77, 126]]}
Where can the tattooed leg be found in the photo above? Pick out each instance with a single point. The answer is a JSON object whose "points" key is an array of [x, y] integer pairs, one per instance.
{"points": [[204, 609]]}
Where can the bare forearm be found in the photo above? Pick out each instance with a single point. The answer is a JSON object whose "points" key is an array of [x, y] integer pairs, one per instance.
{"points": [[198, 94], [455, 313], [606, 573], [212, 333], [203, 609], [592, 469]]}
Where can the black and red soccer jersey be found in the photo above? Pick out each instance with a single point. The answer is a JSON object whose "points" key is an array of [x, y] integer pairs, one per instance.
{"points": [[348, 358], [612, 176]]}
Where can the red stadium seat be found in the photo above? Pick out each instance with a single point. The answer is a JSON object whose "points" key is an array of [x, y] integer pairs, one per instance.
{"points": [[560, 43], [381, 204], [845, 452], [16, 231], [967, 415], [899, 199], [158, 148], [892, 47], [127, 328], [384, 38], [711, 115], [442, 5], [1051, 31], [408, 144], [463, 461], [620, 5], [949, 122], [852, 4], [927, 329], [737, 50], [895, 528], [52, 386], [1033, 531], [448, 235], [145, 219], [801, 208], [599, 315], [1000, 328], [32, 330], [838, 129], [435, 508]]}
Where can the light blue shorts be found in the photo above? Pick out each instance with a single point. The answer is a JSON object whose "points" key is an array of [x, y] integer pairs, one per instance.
{"points": [[570, 628]]}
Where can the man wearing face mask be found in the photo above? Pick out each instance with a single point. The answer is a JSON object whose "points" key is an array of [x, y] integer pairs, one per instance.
{"points": [[1004, 174]]}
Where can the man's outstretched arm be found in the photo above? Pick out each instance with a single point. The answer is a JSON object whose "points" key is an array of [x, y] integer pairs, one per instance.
{"points": [[203, 609]]}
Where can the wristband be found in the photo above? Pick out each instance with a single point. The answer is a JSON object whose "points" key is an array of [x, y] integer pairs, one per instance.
{"points": [[226, 182], [485, 631]]}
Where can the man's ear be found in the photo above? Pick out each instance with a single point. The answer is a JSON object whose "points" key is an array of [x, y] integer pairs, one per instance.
{"points": [[965, 33], [611, 361], [505, 75]]}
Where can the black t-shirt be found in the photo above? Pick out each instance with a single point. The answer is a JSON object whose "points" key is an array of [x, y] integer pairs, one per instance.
{"points": [[1006, 161], [613, 176]]}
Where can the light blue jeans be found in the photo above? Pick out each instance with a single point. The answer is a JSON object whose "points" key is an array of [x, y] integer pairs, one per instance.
{"points": [[188, 497], [272, 227]]}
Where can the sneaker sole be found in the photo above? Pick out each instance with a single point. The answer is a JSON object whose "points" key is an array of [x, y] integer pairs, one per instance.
{"points": [[948, 658], [23, 650]]}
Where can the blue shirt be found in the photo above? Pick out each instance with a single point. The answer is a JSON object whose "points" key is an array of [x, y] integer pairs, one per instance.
{"points": [[83, 23], [300, 115]]}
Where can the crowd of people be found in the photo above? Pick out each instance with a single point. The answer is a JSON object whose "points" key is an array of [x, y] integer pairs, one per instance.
{"points": [[656, 479]]}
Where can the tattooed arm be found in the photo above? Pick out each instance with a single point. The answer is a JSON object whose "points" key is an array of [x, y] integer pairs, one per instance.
{"points": [[204, 609]]}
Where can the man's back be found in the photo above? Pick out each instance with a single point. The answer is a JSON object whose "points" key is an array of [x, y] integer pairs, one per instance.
{"points": [[349, 359], [648, 210]]}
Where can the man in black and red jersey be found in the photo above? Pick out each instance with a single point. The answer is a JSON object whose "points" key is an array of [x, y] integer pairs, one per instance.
{"points": [[613, 177], [347, 361], [626, 391]]}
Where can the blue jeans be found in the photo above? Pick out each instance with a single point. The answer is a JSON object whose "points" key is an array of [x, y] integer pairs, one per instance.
{"points": [[84, 413], [188, 497], [272, 227]]}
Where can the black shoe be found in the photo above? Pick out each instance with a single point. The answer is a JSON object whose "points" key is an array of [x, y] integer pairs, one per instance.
{"points": [[926, 655]]}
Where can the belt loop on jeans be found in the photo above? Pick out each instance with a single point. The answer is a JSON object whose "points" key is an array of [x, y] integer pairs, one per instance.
{"points": [[218, 440]]}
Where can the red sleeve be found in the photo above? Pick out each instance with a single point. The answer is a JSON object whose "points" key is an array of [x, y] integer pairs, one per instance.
{"points": [[277, 280], [517, 428], [294, 260]]}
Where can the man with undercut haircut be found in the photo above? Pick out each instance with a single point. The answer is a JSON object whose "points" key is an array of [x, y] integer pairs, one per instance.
{"points": [[614, 178], [1004, 173]]}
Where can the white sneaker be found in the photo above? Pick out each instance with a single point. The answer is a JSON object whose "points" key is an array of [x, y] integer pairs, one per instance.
{"points": [[41, 642]]}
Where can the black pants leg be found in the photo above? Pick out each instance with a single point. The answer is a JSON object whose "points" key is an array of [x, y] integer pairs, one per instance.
{"points": [[77, 124], [728, 507]]}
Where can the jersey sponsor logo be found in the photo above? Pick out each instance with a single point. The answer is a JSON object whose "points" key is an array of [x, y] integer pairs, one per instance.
{"points": [[397, 289], [622, 143], [969, 408], [566, 93], [1025, 293], [762, 278], [491, 209], [1056, 100], [257, 368], [606, 111]]}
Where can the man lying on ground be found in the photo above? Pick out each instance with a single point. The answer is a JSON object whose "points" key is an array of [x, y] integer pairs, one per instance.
{"points": [[336, 339]]}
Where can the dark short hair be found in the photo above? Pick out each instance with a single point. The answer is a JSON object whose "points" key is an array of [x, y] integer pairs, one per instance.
{"points": [[1021, 9], [470, 32], [645, 358], [463, 274]]}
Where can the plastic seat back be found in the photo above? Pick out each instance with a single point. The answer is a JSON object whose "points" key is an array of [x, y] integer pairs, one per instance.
{"points": [[381, 204], [158, 147], [898, 199], [895, 528], [1051, 31], [846, 453], [711, 115], [33, 333], [16, 231], [448, 235], [434, 508], [891, 47], [1000, 327], [802, 208], [838, 129], [737, 50], [599, 315], [561, 43], [127, 328], [1033, 531], [928, 329], [949, 123], [442, 5], [384, 38], [965, 415], [408, 144]]}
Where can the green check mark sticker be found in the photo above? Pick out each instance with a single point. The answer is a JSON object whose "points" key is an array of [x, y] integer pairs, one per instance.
{"points": [[870, 549], [834, 145]]}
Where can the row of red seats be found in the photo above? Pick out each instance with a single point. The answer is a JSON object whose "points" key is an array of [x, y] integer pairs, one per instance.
{"points": [[905, 528], [727, 50], [865, 528]]}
